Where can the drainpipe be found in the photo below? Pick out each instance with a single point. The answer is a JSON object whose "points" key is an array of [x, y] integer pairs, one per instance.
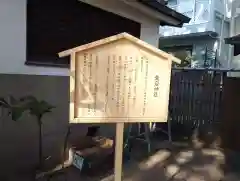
{"points": [[222, 27], [212, 15], [232, 33], [194, 10]]}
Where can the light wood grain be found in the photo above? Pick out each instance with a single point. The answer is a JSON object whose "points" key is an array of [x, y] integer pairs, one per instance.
{"points": [[72, 87], [93, 83], [117, 37], [118, 152], [119, 79]]}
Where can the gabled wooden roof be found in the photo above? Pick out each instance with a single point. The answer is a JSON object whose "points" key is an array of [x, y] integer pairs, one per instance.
{"points": [[116, 38]]}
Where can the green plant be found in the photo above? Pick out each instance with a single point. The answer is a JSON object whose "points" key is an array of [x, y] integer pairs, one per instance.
{"points": [[37, 108], [15, 107], [186, 61]]}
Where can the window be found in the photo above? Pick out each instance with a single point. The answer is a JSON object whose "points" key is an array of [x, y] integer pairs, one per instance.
{"points": [[184, 53], [172, 3], [236, 50], [237, 25], [188, 14], [202, 11], [56, 25], [218, 25], [185, 6], [226, 29]]}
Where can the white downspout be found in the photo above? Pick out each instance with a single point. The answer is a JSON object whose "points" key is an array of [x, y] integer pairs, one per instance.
{"points": [[222, 27], [232, 33], [194, 10]]}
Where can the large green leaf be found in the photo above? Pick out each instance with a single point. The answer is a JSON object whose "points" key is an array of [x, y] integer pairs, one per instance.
{"points": [[36, 107], [28, 100], [14, 106], [4, 103], [16, 113], [13, 101]]}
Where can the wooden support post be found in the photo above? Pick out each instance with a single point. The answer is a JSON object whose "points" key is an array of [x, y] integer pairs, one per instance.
{"points": [[118, 152]]}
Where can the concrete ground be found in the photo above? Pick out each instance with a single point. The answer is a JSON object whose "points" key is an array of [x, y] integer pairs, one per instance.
{"points": [[169, 163]]}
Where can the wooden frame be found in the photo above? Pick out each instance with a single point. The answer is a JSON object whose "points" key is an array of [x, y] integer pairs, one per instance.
{"points": [[153, 62], [118, 61]]}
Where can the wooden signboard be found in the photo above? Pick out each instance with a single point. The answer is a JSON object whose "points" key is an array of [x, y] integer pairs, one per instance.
{"points": [[119, 79]]}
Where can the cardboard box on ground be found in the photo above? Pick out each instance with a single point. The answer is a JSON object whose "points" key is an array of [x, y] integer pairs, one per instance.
{"points": [[96, 153], [92, 154]]}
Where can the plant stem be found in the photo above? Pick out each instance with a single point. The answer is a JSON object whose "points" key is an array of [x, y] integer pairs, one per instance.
{"points": [[40, 141]]}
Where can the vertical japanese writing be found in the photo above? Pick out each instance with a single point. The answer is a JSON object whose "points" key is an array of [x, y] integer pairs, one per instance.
{"points": [[141, 64], [129, 68], [124, 85], [156, 86], [84, 67], [90, 69], [95, 85], [118, 81], [113, 77], [89, 78], [84, 71], [135, 81], [129, 79], [107, 82], [145, 88]]}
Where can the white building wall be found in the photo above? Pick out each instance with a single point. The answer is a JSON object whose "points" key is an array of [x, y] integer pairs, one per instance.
{"points": [[201, 12], [13, 34], [223, 7], [234, 61], [18, 140], [207, 15], [198, 10]]}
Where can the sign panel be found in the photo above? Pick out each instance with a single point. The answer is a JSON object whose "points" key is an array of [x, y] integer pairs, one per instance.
{"points": [[120, 88], [119, 79]]}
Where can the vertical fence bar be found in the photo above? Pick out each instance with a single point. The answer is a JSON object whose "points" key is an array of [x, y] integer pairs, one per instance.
{"points": [[196, 97]]}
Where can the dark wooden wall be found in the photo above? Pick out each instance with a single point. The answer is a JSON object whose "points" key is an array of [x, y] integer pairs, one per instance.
{"points": [[230, 109]]}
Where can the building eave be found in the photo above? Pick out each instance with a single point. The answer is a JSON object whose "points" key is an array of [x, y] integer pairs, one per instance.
{"points": [[206, 34], [233, 40], [162, 8]]}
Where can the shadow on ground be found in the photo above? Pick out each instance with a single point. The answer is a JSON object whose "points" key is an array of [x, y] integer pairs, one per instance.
{"points": [[199, 160]]}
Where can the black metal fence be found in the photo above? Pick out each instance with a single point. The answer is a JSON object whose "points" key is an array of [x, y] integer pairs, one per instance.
{"points": [[196, 96], [202, 101], [195, 100]]}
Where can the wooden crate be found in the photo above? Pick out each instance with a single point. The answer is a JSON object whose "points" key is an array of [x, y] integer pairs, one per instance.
{"points": [[89, 160]]}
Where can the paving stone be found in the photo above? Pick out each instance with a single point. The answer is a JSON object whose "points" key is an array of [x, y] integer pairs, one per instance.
{"points": [[185, 164], [171, 170], [231, 177]]}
